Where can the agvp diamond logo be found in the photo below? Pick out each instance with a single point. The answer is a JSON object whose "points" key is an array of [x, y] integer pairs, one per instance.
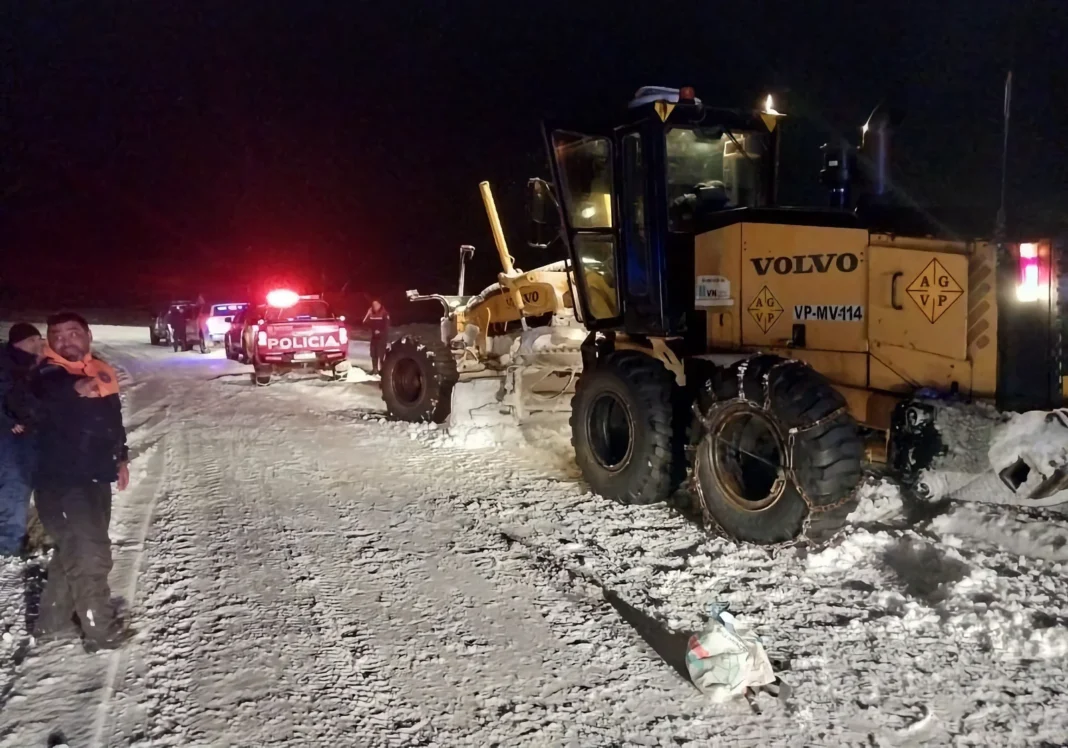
{"points": [[765, 309], [934, 291]]}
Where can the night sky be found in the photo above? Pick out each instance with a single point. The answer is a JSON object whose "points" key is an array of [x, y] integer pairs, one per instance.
{"points": [[203, 139]]}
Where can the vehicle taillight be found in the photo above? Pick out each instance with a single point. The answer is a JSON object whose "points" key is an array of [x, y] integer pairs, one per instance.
{"points": [[1033, 282], [343, 334], [261, 338]]}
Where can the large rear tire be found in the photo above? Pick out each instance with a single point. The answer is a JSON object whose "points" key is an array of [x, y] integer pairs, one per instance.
{"points": [[417, 380], [774, 438], [625, 430]]}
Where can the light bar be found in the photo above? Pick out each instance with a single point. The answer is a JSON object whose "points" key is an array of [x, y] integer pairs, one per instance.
{"points": [[281, 298]]}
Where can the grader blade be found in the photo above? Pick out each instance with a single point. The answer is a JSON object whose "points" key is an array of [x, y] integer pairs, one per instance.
{"points": [[513, 398], [477, 403]]}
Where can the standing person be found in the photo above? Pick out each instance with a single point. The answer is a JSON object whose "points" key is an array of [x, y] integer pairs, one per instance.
{"points": [[17, 360], [378, 319], [81, 452], [176, 317]]}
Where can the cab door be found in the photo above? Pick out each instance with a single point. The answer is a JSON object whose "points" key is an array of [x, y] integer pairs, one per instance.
{"points": [[582, 163], [641, 242]]}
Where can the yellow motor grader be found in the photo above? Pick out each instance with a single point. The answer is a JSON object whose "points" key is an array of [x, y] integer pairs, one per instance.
{"points": [[516, 344], [772, 352]]}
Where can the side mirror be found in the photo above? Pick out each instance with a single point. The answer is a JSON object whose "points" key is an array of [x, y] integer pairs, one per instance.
{"points": [[540, 203], [228, 319]]}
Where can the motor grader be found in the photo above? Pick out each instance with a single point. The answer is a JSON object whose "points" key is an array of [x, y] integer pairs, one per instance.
{"points": [[771, 353], [515, 345]]}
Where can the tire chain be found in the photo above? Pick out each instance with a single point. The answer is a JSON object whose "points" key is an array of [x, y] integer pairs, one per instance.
{"points": [[823, 510]]}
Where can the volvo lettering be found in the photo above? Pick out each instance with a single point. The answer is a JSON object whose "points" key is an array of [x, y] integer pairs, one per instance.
{"points": [[846, 262], [298, 332]]}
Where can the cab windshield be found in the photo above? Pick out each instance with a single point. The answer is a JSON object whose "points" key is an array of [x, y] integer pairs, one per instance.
{"points": [[711, 169]]}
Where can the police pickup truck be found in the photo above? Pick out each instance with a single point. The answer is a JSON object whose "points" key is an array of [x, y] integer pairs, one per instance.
{"points": [[298, 333]]}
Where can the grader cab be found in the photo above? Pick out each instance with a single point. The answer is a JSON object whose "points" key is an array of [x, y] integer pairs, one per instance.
{"points": [[773, 352]]}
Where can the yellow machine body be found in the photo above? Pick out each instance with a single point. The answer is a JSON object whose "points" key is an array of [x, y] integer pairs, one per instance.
{"points": [[880, 316], [542, 292]]}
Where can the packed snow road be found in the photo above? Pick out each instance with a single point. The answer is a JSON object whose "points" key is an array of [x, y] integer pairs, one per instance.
{"points": [[302, 572]]}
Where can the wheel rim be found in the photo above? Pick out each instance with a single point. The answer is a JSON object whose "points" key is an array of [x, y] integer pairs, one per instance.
{"points": [[747, 454], [610, 432], [406, 380]]}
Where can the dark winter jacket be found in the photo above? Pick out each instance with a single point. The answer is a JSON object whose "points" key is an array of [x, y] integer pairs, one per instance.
{"points": [[16, 399], [79, 439], [377, 321]]}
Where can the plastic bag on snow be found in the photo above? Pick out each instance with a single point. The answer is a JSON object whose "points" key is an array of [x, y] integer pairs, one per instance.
{"points": [[726, 658]]}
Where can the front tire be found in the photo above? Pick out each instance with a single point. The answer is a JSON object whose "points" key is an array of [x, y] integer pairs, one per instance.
{"points": [[261, 377], [774, 442], [152, 336], [203, 345], [417, 380], [627, 438]]}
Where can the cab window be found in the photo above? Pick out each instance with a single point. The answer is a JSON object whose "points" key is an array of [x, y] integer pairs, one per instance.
{"points": [[710, 169], [585, 166]]}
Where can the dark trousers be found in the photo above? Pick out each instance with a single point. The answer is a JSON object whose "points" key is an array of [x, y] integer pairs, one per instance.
{"points": [[16, 467], [378, 350], [77, 518]]}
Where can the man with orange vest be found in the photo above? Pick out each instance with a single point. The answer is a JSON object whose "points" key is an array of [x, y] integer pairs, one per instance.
{"points": [[81, 451]]}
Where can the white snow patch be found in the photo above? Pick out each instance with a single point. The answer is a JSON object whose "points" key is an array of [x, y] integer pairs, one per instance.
{"points": [[356, 375], [877, 501], [1014, 533], [855, 552]]}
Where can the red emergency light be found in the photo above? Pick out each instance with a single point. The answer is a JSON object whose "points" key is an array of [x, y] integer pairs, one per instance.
{"points": [[1033, 280], [282, 298]]}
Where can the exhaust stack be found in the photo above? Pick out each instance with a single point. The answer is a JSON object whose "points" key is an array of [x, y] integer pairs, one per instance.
{"points": [[875, 148], [839, 164]]}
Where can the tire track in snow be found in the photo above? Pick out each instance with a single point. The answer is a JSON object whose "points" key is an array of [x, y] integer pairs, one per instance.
{"points": [[358, 675], [319, 686]]}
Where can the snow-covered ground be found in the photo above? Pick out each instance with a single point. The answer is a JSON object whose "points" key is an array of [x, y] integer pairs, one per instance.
{"points": [[303, 572]]}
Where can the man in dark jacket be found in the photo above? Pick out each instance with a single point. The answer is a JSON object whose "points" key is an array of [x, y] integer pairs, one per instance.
{"points": [[17, 360], [81, 452], [377, 318]]}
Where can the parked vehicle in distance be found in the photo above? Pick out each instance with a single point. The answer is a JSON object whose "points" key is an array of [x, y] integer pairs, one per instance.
{"points": [[215, 321], [159, 332], [240, 337]]}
